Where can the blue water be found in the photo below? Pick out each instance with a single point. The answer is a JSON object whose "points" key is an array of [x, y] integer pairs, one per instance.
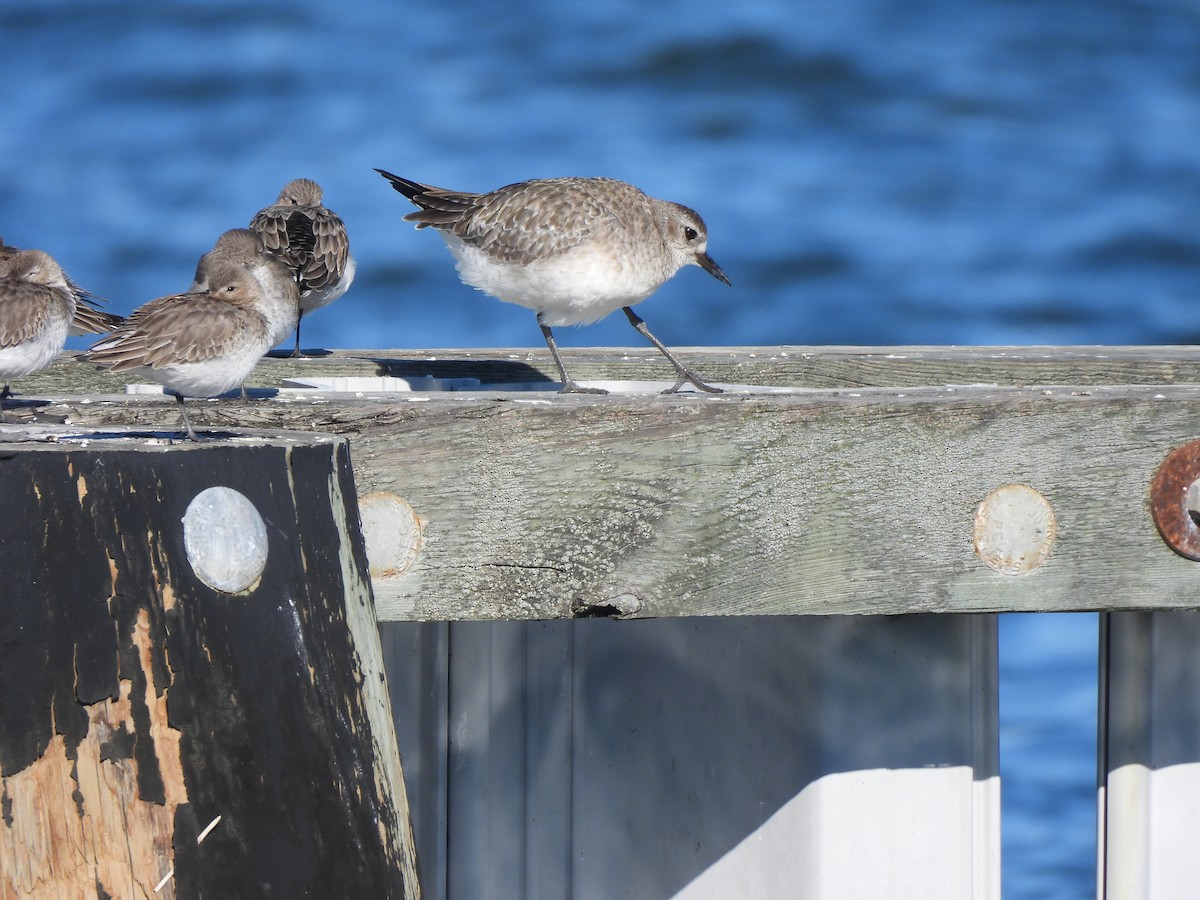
{"points": [[1048, 671], [871, 172]]}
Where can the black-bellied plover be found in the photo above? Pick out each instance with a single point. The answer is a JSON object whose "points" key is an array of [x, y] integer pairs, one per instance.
{"points": [[571, 249]]}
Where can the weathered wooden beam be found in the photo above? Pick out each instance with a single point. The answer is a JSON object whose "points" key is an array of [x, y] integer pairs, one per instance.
{"points": [[831, 500], [188, 649], [790, 366]]}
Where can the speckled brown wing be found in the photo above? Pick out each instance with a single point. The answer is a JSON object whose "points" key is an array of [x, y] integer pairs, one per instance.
{"points": [[526, 221], [441, 208], [329, 252], [464, 214], [312, 242], [25, 309], [180, 329], [90, 320], [272, 224], [537, 220]]}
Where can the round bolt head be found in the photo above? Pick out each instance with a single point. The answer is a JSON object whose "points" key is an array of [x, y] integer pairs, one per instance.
{"points": [[392, 531], [1014, 529], [225, 540]]}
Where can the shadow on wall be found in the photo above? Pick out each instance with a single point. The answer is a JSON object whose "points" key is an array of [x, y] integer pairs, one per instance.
{"points": [[625, 758]]}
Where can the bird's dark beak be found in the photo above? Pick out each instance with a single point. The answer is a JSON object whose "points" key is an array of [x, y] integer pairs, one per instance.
{"points": [[708, 265]]}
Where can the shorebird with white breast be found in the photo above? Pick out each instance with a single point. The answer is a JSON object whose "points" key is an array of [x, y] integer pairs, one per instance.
{"points": [[199, 344], [37, 307], [244, 248], [89, 318], [571, 249]]}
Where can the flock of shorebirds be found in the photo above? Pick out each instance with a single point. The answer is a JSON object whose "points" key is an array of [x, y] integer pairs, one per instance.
{"points": [[571, 249]]}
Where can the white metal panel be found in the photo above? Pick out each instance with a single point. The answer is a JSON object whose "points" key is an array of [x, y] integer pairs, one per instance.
{"points": [[1150, 756], [759, 757], [839, 838]]}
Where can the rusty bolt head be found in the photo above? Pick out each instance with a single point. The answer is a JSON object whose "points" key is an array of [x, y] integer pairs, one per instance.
{"points": [[1173, 495]]}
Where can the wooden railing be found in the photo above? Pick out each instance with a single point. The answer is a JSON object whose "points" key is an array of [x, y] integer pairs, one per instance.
{"points": [[855, 491], [850, 755]]}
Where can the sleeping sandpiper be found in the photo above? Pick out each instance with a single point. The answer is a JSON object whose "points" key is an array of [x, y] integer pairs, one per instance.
{"points": [[244, 248], [37, 307], [198, 344], [311, 239], [89, 318]]}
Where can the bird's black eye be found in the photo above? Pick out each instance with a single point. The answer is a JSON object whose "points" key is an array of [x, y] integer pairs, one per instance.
{"points": [[690, 233]]}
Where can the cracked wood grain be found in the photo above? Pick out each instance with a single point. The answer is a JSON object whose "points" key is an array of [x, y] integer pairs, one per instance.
{"points": [[854, 494], [138, 704]]}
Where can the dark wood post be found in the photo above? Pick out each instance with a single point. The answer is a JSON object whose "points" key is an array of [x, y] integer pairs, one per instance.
{"points": [[178, 661]]}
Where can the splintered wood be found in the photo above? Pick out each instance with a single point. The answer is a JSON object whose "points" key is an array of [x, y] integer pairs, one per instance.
{"points": [[74, 824], [140, 703]]}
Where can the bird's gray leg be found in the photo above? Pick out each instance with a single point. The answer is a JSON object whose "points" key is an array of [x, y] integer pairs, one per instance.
{"points": [[296, 354], [4, 395], [187, 423], [685, 375], [568, 386]]}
